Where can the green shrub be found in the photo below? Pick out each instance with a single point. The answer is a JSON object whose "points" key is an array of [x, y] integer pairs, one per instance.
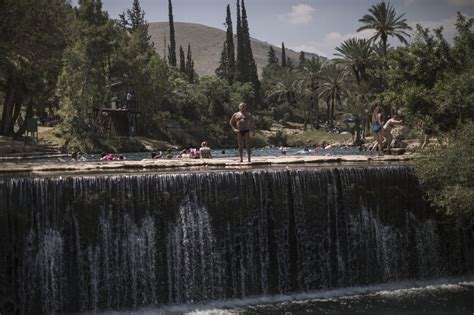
{"points": [[447, 173]]}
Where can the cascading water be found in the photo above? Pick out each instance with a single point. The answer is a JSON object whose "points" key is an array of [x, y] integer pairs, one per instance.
{"points": [[113, 242]]}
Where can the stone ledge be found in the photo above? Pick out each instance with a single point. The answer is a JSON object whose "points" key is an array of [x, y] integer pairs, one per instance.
{"points": [[147, 165]]}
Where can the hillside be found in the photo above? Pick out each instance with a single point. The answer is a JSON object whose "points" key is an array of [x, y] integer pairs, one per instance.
{"points": [[206, 45]]}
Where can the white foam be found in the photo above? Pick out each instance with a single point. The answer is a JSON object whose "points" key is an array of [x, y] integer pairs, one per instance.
{"points": [[231, 306]]}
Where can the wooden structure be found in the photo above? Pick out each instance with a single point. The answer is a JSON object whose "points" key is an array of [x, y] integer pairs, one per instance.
{"points": [[119, 117], [120, 122]]}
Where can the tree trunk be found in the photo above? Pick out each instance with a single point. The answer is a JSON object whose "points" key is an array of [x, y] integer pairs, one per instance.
{"points": [[331, 113], [316, 113], [28, 115], [7, 115], [357, 136]]}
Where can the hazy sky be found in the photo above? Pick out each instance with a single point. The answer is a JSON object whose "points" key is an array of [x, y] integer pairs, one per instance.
{"points": [[312, 25]]}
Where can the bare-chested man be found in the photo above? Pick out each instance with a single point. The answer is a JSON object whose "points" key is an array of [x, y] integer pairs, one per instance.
{"points": [[387, 131], [242, 123]]}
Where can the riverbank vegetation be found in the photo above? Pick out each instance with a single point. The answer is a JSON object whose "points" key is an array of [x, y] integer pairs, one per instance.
{"points": [[74, 61]]}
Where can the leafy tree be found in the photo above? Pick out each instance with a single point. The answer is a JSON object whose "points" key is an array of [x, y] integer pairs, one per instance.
{"points": [[283, 55], [134, 21], [430, 83], [272, 57], [217, 92], [385, 22], [446, 174], [33, 37], [172, 46]]}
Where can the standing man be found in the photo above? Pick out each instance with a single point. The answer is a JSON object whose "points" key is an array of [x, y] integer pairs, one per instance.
{"points": [[242, 123]]}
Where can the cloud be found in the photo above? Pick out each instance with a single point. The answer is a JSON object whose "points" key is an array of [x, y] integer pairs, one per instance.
{"points": [[327, 45], [299, 14]]}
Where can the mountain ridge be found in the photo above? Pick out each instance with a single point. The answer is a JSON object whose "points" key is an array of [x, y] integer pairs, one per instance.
{"points": [[206, 45]]}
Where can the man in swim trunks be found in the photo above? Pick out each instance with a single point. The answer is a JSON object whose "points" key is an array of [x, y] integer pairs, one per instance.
{"points": [[242, 123]]}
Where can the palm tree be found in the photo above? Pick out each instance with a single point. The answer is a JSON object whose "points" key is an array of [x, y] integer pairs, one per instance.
{"points": [[383, 19], [284, 90], [333, 88], [357, 105], [309, 83], [357, 54]]}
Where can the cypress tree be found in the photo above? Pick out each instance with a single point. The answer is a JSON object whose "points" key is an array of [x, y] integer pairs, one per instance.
{"points": [[172, 45], [240, 63], [138, 15], [222, 69], [272, 57], [182, 60], [302, 59], [229, 46], [251, 70], [283, 55], [190, 65]]}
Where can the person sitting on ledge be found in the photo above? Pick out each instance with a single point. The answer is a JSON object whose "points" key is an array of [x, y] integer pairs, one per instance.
{"points": [[205, 151]]}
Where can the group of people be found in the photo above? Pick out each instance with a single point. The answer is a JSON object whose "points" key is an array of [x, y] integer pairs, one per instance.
{"points": [[111, 157], [241, 122], [204, 152], [383, 130], [243, 126]]}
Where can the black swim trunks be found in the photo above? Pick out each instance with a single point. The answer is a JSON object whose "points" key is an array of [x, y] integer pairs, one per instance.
{"points": [[243, 132]]}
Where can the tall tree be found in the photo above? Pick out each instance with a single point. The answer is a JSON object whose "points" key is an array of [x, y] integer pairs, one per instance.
{"points": [[240, 62], [302, 60], [133, 18], [272, 57], [251, 65], [190, 65], [283, 55], [384, 21], [223, 67], [182, 60], [134, 21], [172, 46], [226, 68], [33, 36], [230, 47]]}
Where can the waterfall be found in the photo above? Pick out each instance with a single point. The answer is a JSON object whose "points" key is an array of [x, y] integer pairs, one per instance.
{"points": [[78, 243]]}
